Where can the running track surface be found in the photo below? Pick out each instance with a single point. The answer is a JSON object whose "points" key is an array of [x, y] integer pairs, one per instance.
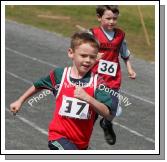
{"points": [[31, 53]]}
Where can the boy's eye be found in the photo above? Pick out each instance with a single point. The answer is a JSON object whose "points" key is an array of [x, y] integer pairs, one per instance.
{"points": [[93, 57], [83, 56], [114, 18]]}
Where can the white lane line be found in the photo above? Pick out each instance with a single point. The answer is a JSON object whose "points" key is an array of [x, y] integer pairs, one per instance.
{"points": [[52, 65], [135, 132], [18, 77], [122, 126], [137, 97], [29, 57], [24, 120]]}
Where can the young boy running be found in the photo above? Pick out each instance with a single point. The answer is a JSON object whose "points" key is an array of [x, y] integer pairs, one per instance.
{"points": [[78, 99], [112, 43]]}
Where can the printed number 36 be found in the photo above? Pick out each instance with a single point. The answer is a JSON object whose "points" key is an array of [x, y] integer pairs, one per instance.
{"points": [[110, 69]]}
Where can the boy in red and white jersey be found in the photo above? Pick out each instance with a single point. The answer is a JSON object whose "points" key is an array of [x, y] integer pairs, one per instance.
{"points": [[78, 99], [112, 44]]}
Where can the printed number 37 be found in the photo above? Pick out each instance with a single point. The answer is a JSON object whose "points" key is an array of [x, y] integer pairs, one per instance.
{"points": [[69, 106]]}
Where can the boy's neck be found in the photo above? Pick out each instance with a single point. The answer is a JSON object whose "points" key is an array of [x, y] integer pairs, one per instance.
{"points": [[75, 73], [107, 31]]}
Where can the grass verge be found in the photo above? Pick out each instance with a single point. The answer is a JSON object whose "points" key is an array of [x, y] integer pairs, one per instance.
{"points": [[63, 20]]}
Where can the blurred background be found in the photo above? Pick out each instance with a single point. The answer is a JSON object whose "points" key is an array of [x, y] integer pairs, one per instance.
{"points": [[136, 21]]}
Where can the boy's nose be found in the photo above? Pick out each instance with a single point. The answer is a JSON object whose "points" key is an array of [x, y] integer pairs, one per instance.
{"points": [[87, 59], [111, 21]]}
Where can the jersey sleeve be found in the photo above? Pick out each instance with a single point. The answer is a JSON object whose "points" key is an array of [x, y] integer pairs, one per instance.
{"points": [[124, 51], [101, 94], [103, 97], [43, 82], [46, 82], [90, 31]]}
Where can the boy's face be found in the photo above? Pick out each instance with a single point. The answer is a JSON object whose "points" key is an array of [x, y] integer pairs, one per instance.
{"points": [[84, 57], [108, 20]]}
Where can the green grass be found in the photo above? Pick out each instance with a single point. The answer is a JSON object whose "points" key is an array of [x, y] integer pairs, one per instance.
{"points": [[129, 21]]}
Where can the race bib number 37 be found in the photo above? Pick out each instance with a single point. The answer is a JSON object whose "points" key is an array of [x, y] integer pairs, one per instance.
{"points": [[75, 108], [107, 67]]}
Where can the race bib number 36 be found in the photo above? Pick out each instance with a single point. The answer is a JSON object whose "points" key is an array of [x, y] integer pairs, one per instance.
{"points": [[107, 67], [75, 108]]}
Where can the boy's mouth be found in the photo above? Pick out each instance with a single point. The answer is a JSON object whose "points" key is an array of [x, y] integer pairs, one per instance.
{"points": [[111, 26], [86, 66]]}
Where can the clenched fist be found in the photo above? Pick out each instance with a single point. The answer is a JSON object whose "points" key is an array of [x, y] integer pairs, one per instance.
{"points": [[81, 94], [15, 106], [132, 74]]}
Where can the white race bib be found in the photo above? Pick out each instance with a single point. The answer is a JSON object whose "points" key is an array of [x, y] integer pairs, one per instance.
{"points": [[74, 108], [107, 67]]}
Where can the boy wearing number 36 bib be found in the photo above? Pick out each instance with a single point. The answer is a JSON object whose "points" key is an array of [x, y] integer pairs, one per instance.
{"points": [[112, 43], [78, 98]]}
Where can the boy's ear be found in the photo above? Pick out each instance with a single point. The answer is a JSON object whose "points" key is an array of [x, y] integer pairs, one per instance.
{"points": [[98, 17], [70, 53]]}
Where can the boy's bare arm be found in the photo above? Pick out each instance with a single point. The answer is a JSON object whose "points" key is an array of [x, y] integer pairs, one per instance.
{"points": [[16, 106], [99, 107], [131, 72]]}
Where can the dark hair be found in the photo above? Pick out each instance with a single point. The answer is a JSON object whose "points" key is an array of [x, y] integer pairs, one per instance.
{"points": [[83, 37], [101, 8]]}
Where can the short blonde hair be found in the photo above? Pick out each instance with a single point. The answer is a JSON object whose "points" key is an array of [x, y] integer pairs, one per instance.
{"points": [[83, 37]]}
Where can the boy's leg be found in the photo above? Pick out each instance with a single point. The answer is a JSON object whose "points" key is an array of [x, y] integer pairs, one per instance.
{"points": [[106, 125], [62, 144]]}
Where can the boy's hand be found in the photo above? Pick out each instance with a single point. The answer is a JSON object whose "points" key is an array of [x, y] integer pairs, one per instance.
{"points": [[99, 56], [15, 107], [132, 74], [81, 94]]}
